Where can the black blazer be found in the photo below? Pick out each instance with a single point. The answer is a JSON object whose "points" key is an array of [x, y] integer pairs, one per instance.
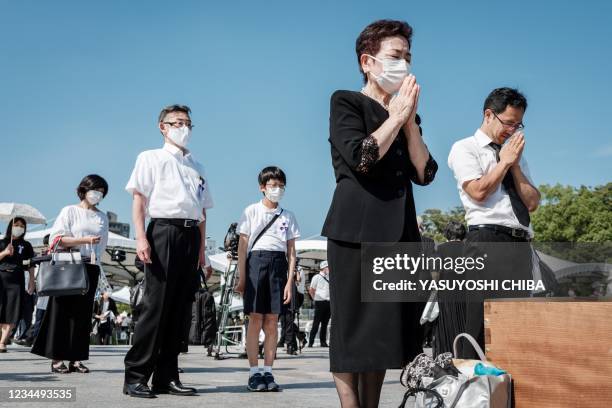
{"points": [[112, 306], [377, 206]]}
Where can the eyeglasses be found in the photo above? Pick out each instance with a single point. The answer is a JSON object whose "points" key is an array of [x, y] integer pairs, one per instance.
{"points": [[180, 124], [516, 126]]}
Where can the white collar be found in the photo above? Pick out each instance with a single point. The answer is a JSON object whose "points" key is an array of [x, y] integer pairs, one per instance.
{"points": [[276, 210], [175, 151], [482, 138]]}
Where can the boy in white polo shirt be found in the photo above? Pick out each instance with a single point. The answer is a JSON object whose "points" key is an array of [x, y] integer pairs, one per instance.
{"points": [[266, 262]]}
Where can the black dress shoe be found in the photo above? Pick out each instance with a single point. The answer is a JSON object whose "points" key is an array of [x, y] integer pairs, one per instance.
{"points": [[174, 387], [24, 342], [324, 345], [138, 390]]}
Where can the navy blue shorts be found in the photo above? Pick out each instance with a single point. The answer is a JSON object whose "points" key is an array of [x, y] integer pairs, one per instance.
{"points": [[265, 283]]}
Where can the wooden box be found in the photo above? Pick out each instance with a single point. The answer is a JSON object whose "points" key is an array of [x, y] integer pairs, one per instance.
{"points": [[558, 351]]}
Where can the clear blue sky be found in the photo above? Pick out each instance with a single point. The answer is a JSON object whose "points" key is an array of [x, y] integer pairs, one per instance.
{"points": [[81, 84]]}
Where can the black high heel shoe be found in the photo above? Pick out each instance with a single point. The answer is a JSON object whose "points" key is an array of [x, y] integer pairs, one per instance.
{"points": [[61, 369], [77, 367]]}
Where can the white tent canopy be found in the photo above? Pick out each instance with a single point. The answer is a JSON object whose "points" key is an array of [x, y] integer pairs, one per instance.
{"points": [[122, 295]]}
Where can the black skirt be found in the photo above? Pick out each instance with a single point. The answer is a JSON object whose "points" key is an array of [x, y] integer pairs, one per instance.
{"points": [[367, 336], [65, 330], [265, 283], [12, 286]]}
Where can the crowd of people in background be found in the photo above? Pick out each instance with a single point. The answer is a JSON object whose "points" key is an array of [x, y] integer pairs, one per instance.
{"points": [[378, 153]]}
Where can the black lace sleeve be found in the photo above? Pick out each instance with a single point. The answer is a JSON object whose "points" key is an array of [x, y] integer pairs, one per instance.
{"points": [[431, 168], [368, 155]]}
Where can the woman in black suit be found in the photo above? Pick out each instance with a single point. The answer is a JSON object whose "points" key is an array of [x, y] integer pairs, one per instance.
{"points": [[377, 152]]}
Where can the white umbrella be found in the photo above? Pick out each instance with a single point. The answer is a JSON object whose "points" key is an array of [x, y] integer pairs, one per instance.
{"points": [[31, 215]]}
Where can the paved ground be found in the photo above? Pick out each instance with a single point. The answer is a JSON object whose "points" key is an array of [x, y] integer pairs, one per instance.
{"points": [[221, 383]]}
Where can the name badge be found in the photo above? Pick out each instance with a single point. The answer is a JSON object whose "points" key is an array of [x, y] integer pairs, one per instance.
{"points": [[201, 187]]}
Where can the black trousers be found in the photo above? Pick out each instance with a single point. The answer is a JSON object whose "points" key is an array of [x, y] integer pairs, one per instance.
{"points": [[105, 332], [40, 314], [289, 329], [25, 324], [515, 262], [170, 281], [321, 317]]}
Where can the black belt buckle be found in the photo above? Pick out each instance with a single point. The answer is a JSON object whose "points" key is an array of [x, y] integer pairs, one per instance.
{"points": [[518, 233]]}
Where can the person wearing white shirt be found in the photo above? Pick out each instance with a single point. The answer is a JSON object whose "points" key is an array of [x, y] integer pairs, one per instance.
{"points": [[266, 264], [169, 186], [319, 291], [497, 192], [66, 325]]}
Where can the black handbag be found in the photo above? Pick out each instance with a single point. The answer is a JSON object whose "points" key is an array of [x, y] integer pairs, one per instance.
{"points": [[62, 278]]}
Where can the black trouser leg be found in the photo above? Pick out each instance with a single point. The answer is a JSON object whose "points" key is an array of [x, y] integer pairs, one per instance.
{"points": [[325, 315], [511, 262], [282, 318], [289, 328], [169, 280], [40, 313], [316, 322], [26, 313]]}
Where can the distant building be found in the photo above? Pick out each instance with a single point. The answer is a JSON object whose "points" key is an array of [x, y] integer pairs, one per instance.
{"points": [[117, 227]]}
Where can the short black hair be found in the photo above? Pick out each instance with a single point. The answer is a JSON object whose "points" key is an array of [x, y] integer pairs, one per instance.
{"points": [[271, 173], [501, 98], [91, 182], [454, 231], [9, 229], [370, 38]]}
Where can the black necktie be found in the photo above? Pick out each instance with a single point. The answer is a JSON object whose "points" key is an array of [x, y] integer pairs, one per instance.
{"points": [[519, 208]]}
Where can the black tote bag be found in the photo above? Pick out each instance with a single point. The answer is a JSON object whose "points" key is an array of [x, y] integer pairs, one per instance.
{"points": [[62, 278]]}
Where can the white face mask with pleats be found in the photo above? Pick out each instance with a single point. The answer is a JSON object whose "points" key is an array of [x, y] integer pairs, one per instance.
{"points": [[275, 194], [393, 74], [180, 136], [18, 231]]}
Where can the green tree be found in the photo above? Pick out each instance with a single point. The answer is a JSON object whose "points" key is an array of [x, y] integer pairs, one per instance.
{"points": [[574, 214], [435, 220], [566, 214]]}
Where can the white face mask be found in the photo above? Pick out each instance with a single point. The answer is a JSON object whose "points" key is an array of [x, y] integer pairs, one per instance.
{"points": [[180, 136], [394, 72], [274, 194], [94, 197], [18, 231]]}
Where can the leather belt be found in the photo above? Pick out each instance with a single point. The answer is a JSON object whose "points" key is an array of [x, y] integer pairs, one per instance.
{"points": [[513, 232], [179, 222]]}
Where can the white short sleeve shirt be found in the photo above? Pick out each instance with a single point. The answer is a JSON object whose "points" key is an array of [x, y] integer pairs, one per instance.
{"points": [[78, 222], [255, 218], [321, 286], [470, 159], [174, 184]]}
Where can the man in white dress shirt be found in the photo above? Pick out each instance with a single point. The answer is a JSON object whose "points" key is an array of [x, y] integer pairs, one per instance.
{"points": [[319, 291], [496, 191], [169, 186]]}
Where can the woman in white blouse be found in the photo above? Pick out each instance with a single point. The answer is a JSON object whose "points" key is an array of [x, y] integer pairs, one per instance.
{"points": [[66, 327]]}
